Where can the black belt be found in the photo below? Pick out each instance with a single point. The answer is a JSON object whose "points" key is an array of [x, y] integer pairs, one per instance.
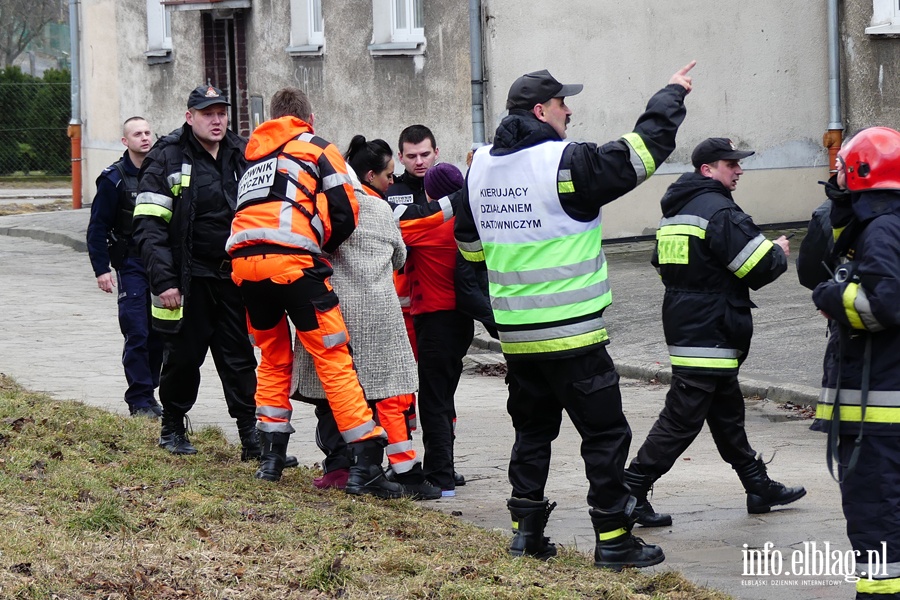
{"points": [[222, 266]]}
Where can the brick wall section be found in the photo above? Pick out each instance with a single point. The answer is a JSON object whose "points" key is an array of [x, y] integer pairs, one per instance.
{"points": [[225, 64]]}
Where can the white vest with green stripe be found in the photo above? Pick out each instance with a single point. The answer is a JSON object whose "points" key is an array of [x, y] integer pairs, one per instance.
{"points": [[546, 271]]}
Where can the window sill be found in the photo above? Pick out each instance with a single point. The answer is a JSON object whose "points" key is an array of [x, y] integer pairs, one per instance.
{"points": [[306, 50], [159, 56], [397, 49], [890, 30]]}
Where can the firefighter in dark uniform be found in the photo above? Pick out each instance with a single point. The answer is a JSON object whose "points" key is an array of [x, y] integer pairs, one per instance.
{"points": [[532, 218], [709, 254], [860, 402], [188, 189], [110, 243]]}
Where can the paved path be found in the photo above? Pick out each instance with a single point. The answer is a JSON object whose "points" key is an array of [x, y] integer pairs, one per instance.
{"points": [[60, 335]]}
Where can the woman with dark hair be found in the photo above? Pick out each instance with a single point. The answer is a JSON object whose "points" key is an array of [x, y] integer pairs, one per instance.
{"points": [[363, 266], [373, 162]]}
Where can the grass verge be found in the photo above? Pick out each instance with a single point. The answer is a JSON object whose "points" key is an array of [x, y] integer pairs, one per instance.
{"points": [[91, 509]]}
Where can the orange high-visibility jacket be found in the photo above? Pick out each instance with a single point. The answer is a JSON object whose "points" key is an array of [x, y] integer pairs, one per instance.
{"points": [[296, 195]]}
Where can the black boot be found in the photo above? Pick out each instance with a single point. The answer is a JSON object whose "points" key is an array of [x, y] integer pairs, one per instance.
{"points": [[251, 449], [366, 475], [616, 547], [173, 435], [762, 492], [274, 453], [643, 511], [414, 483], [529, 518]]}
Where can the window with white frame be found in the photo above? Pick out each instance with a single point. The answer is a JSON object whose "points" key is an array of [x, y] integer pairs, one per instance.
{"points": [[885, 18], [307, 28], [398, 27], [159, 32]]}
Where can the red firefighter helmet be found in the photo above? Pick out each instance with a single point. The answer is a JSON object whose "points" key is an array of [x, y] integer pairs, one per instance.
{"points": [[872, 160]]}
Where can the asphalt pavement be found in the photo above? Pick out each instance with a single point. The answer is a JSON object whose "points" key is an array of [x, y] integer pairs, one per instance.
{"points": [[61, 336]]}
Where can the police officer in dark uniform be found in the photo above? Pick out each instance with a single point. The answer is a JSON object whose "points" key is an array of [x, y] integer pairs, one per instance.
{"points": [[110, 243]]}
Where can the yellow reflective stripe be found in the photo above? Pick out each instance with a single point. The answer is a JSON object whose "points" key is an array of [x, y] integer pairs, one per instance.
{"points": [[754, 259], [878, 586], [638, 145], [681, 230], [609, 535], [709, 363], [472, 256], [874, 414], [555, 345], [515, 525], [837, 231], [166, 314], [153, 210], [565, 187], [848, 298]]}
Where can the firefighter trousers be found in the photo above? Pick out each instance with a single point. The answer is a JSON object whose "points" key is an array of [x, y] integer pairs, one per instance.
{"points": [[870, 495], [691, 400], [214, 321], [587, 388]]}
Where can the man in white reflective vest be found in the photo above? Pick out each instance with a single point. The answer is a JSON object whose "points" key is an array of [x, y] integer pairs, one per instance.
{"points": [[532, 218]]}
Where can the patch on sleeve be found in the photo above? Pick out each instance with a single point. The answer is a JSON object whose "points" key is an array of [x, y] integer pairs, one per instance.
{"points": [[404, 199]]}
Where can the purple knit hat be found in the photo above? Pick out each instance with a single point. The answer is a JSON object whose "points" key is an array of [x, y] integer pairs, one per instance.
{"points": [[442, 180]]}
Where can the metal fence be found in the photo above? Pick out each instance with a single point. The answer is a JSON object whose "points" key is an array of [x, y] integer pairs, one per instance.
{"points": [[34, 120]]}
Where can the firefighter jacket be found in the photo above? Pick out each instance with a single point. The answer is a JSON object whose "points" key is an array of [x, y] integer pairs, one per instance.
{"points": [[175, 224], [531, 214], [109, 231], [709, 254], [296, 196], [863, 301]]}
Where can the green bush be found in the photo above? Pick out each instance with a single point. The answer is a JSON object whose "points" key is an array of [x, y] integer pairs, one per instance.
{"points": [[34, 122]]}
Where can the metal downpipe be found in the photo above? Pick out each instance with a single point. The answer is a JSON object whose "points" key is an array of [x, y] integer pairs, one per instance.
{"points": [[477, 64], [834, 136], [74, 130]]}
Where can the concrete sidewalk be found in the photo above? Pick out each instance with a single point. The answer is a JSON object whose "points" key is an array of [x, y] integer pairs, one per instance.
{"points": [[61, 336]]}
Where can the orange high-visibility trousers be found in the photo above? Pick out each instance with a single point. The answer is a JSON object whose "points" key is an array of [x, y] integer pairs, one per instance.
{"points": [[322, 331], [394, 415]]}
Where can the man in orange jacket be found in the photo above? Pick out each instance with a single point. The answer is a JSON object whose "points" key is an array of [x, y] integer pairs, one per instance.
{"points": [[295, 201]]}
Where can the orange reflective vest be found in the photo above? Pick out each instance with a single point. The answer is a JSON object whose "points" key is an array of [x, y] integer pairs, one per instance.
{"points": [[296, 195]]}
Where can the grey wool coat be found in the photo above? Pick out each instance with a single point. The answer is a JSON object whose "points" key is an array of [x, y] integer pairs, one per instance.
{"points": [[363, 280]]}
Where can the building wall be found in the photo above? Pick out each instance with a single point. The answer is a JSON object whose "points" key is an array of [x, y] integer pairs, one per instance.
{"points": [[760, 79], [870, 69], [351, 91]]}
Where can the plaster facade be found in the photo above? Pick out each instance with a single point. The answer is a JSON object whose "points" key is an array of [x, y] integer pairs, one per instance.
{"points": [[761, 79]]}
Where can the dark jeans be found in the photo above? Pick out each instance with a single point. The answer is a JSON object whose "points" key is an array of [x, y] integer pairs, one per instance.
{"points": [[587, 388], [871, 499], [142, 353], [214, 320], [691, 400], [442, 338]]}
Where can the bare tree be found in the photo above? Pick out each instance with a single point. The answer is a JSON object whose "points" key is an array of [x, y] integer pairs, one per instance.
{"points": [[23, 20]]}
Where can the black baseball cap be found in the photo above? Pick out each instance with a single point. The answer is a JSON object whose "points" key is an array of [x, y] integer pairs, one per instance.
{"points": [[206, 95], [712, 149], [536, 88]]}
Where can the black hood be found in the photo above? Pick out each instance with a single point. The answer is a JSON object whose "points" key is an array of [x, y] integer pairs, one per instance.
{"points": [[689, 186], [873, 203], [520, 129]]}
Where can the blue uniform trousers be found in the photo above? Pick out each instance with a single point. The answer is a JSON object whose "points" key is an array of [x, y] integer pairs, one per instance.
{"points": [[143, 350]]}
